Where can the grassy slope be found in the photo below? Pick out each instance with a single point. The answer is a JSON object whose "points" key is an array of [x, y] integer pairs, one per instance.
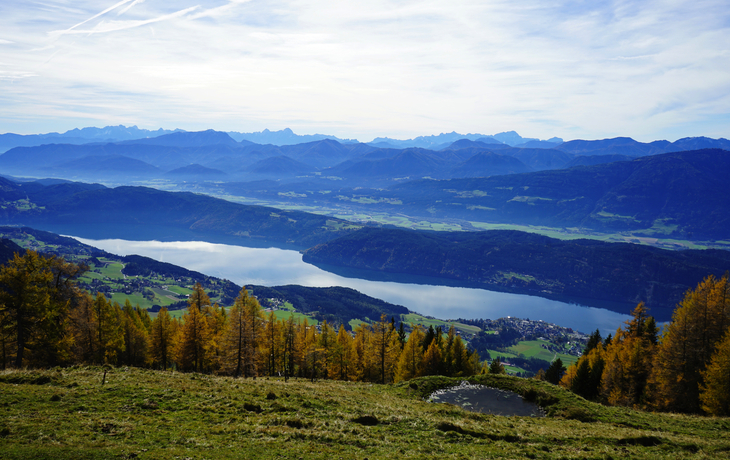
{"points": [[68, 413]]}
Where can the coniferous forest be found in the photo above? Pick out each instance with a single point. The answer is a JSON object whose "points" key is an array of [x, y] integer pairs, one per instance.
{"points": [[48, 321]]}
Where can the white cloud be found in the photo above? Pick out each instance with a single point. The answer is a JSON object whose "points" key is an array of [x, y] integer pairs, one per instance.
{"points": [[363, 69]]}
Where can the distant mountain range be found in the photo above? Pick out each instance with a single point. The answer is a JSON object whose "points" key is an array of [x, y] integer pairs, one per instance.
{"points": [[79, 136], [284, 137], [170, 156], [437, 142]]}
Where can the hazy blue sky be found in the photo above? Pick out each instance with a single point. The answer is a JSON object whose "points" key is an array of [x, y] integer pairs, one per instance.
{"points": [[359, 69]]}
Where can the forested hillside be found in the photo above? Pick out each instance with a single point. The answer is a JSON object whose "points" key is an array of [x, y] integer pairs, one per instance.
{"points": [[140, 212], [529, 263], [677, 195], [672, 196], [149, 281], [48, 321]]}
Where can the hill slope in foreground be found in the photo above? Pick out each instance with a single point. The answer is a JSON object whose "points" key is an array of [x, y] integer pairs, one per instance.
{"points": [[134, 413]]}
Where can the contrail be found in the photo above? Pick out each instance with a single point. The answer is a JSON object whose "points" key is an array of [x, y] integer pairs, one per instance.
{"points": [[135, 2], [97, 15], [113, 26]]}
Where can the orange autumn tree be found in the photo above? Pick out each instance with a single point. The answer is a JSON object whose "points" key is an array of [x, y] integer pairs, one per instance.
{"points": [[688, 344]]}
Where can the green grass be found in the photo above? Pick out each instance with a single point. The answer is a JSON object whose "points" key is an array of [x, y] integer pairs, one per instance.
{"points": [[111, 270], [533, 349], [162, 294], [179, 290], [415, 318], [354, 323], [144, 414], [90, 275], [502, 355], [286, 314], [661, 227], [134, 298], [336, 225]]}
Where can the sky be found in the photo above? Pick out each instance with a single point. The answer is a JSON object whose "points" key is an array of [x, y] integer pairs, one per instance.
{"points": [[575, 69]]}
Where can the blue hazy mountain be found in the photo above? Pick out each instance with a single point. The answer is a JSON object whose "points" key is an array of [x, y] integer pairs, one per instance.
{"points": [[280, 165], [196, 171], [189, 139], [284, 137], [79, 136], [437, 142]]}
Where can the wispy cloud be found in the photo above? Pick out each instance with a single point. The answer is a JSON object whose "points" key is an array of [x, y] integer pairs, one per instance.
{"points": [[567, 68], [115, 25], [128, 7], [111, 8]]}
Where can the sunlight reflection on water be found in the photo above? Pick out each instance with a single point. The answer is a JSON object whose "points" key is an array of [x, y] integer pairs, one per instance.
{"points": [[276, 267]]}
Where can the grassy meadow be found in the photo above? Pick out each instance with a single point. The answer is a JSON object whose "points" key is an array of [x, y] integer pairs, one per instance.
{"points": [[145, 414]]}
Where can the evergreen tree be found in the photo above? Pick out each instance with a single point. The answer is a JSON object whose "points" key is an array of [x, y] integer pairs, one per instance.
{"points": [[428, 337], [556, 371], [584, 377], [496, 367], [593, 340], [402, 335]]}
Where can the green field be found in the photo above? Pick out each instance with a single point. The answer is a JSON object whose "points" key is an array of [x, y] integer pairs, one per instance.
{"points": [[143, 414], [134, 299], [111, 270], [286, 314], [354, 323], [533, 349], [415, 318]]}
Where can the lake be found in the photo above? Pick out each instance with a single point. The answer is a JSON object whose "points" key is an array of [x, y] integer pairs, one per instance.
{"points": [[276, 267]]}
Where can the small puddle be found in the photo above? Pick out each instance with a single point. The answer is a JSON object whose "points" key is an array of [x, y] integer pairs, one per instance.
{"points": [[486, 400]]}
